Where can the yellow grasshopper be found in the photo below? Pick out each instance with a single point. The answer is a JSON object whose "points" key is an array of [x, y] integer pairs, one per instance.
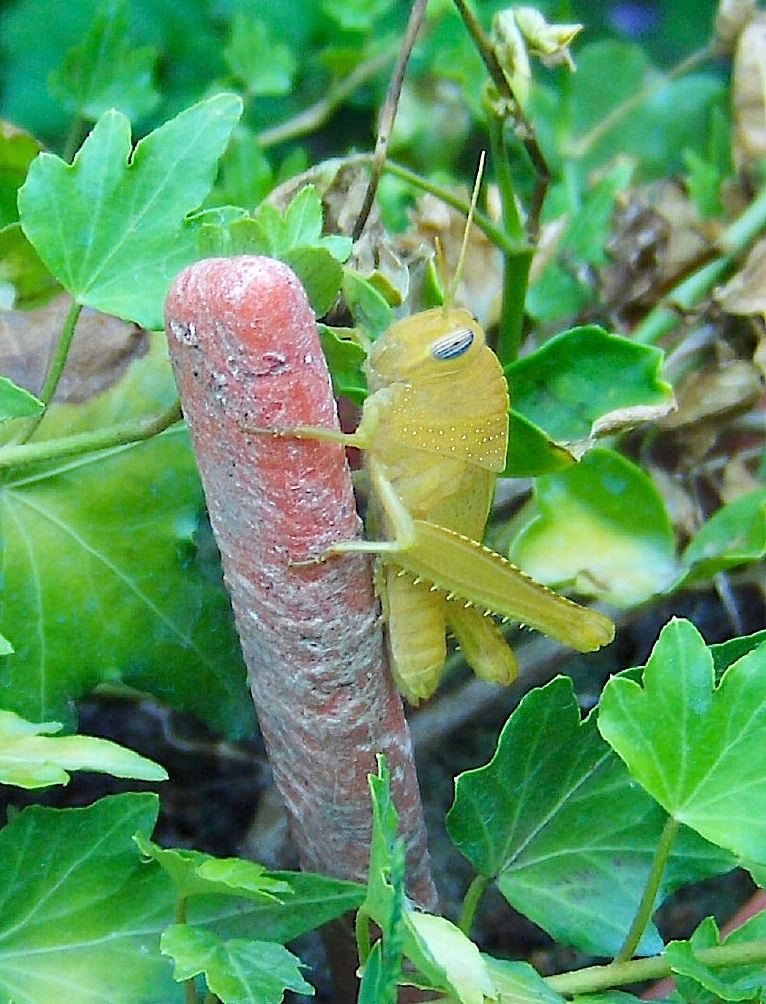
{"points": [[435, 431]]}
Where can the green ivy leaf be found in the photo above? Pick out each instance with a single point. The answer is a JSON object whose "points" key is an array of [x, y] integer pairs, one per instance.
{"points": [[237, 971], [110, 574], [700, 983], [735, 535], [81, 914], [356, 15], [602, 528], [112, 227], [17, 151], [345, 358], [294, 237], [197, 874], [531, 453], [30, 758], [262, 64], [313, 900], [586, 376], [20, 266], [369, 308], [564, 831], [104, 70], [696, 748], [320, 275], [15, 402], [520, 983], [443, 956]]}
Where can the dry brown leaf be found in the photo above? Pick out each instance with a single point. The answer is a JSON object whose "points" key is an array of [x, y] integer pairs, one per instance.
{"points": [[657, 236], [480, 287], [745, 292], [715, 391], [102, 349], [731, 18], [749, 93]]}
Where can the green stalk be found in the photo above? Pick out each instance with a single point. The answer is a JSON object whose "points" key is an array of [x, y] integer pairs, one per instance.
{"points": [[616, 974], [734, 240], [22, 454], [515, 267], [646, 906], [473, 897], [190, 987], [56, 368], [496, 235], [363, 943]]}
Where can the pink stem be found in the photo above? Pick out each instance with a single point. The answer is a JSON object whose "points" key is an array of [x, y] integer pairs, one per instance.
{"points": [[245, 351]]}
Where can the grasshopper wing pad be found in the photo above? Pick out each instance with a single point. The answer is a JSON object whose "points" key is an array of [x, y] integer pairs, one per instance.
{"points": [[465, 423], [464, 568], [485, 650], [416, 634]]}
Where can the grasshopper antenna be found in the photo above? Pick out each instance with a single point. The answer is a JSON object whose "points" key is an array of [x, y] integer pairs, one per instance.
{"points": [[452, 288]]}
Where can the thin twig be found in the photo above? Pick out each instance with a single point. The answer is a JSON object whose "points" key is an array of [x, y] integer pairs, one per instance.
{"points": [[388, 114], [524, 127]]}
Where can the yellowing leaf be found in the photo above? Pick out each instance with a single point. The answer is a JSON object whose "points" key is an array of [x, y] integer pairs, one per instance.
{"points": [[30, 757], [457, 955]]}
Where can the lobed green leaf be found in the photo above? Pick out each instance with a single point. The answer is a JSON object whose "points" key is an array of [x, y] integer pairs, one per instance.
{"points": [[105, 71], [236, 971], [694, 747], [112, 226], [558, 823], [80, 915]]}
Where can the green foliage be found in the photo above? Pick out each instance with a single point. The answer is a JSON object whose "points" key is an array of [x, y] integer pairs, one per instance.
{"points": [[559, 828], [611, 502], [571, 381], [31, 759], [69, 534], [80, 913], [236, 971], [15, 402], [105, 71], [110, 576], [295, 237], [113, 226], [257, 60], [675, 735]]}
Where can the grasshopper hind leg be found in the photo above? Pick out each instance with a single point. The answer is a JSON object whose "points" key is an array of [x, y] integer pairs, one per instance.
{"points": [[483, 645], [416, 634]]}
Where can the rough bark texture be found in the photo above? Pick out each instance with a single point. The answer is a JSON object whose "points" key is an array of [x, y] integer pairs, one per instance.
{"points": [[245, 351]]}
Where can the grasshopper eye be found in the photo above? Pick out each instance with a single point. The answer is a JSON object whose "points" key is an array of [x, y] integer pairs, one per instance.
{"points": [[453, 344]]}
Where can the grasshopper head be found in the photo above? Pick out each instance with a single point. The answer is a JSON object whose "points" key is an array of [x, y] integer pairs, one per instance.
{"points": [[432, 345]]}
